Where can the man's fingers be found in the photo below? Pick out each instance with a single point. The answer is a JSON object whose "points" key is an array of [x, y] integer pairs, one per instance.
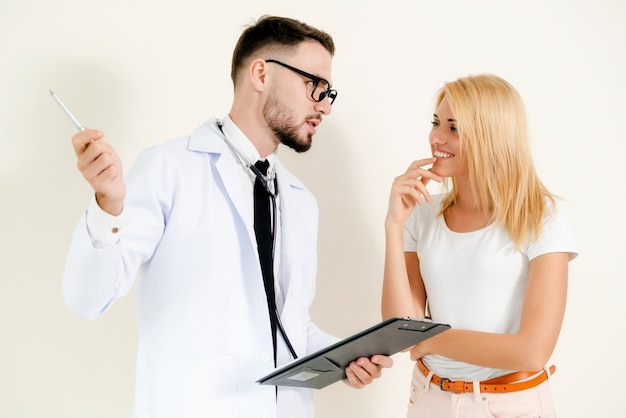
{"points": [[83, 139], [103, 162], [382, 361]]}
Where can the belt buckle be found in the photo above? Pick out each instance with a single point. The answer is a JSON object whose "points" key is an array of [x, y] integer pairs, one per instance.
{"points": [[441, 383], [456, 386]]}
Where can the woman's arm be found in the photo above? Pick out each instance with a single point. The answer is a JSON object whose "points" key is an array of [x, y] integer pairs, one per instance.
{"points": [[531, 347], [403, 290]]}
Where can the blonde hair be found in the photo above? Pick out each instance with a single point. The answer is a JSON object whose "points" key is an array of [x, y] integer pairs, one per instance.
{"points": [[493, 132]]}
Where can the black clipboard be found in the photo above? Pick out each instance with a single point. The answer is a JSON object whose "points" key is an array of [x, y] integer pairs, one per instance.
{"points": [[328, 365]]}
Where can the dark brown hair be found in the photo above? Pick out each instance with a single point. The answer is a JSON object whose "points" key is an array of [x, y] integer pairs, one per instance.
{"points": [[281, 32]]}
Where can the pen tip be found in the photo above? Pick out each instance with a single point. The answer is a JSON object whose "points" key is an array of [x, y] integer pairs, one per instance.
{"points": [[50, 90]]}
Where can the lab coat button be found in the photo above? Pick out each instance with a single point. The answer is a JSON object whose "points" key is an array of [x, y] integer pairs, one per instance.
{"points": [[265, 358]]}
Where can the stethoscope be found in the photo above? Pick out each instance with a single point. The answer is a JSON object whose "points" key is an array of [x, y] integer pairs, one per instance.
{"points": [[271, 187]]}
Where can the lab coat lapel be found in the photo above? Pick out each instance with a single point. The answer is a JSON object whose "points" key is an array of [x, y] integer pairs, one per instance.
{"points": [[298, 212], [288, 188], [209, 138], [228, 170]]}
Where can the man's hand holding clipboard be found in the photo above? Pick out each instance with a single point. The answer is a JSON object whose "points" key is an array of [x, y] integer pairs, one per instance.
{"points": [[328, 365]]}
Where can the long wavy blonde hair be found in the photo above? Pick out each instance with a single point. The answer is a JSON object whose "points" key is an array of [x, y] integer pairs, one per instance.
{"points": [[493, 132]]}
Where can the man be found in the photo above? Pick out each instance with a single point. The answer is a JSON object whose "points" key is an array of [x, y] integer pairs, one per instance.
{"points": [[184, 224]]}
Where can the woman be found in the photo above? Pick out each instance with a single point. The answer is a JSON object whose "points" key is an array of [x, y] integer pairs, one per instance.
{"points": [[488, 257]]}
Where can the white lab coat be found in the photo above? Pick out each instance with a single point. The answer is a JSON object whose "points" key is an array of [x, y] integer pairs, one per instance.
{"points": [[189, 249]]}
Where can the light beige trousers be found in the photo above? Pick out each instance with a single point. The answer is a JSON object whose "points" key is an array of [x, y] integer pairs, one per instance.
{"points": [[428, 401]]}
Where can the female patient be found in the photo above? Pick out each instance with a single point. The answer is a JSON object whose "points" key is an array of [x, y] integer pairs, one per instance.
{"points": [[488, 257]]}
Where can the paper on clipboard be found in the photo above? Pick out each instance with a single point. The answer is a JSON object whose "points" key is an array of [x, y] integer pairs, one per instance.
{"points": [[327, 366]]}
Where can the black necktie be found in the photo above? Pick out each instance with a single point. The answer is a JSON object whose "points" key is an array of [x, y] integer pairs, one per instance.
{"points": [[263, 207]]}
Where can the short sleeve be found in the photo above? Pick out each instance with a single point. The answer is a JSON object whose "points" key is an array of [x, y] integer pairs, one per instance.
{"points": [[556, 236], [410, 239]]}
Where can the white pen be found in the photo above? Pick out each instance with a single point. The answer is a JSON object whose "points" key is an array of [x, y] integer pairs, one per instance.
{"points": [[67, 112]]}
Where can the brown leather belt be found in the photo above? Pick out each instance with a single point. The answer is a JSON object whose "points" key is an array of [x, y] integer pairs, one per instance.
{"points": [[507, 383]]}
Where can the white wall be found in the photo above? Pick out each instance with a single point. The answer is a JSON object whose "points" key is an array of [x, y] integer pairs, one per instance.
{"points": [[146, 71]]}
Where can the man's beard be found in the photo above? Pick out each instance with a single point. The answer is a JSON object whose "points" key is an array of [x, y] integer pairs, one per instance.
{"points": [[283, 126]]}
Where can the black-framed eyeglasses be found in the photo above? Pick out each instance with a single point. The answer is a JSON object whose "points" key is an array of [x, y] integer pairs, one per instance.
{"points": [[321, 86]]}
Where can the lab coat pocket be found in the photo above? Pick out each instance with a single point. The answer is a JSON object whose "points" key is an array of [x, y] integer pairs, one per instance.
{"points": [[193, 388]]}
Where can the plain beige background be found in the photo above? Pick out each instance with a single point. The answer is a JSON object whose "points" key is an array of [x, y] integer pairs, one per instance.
{"points": [[146, 71]]}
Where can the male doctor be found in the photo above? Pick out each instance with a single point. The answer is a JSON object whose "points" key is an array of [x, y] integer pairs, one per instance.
{"points": [[181, 228]]}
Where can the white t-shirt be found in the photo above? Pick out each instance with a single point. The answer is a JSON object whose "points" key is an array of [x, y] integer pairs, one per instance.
{"points": [[476, 280]]}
